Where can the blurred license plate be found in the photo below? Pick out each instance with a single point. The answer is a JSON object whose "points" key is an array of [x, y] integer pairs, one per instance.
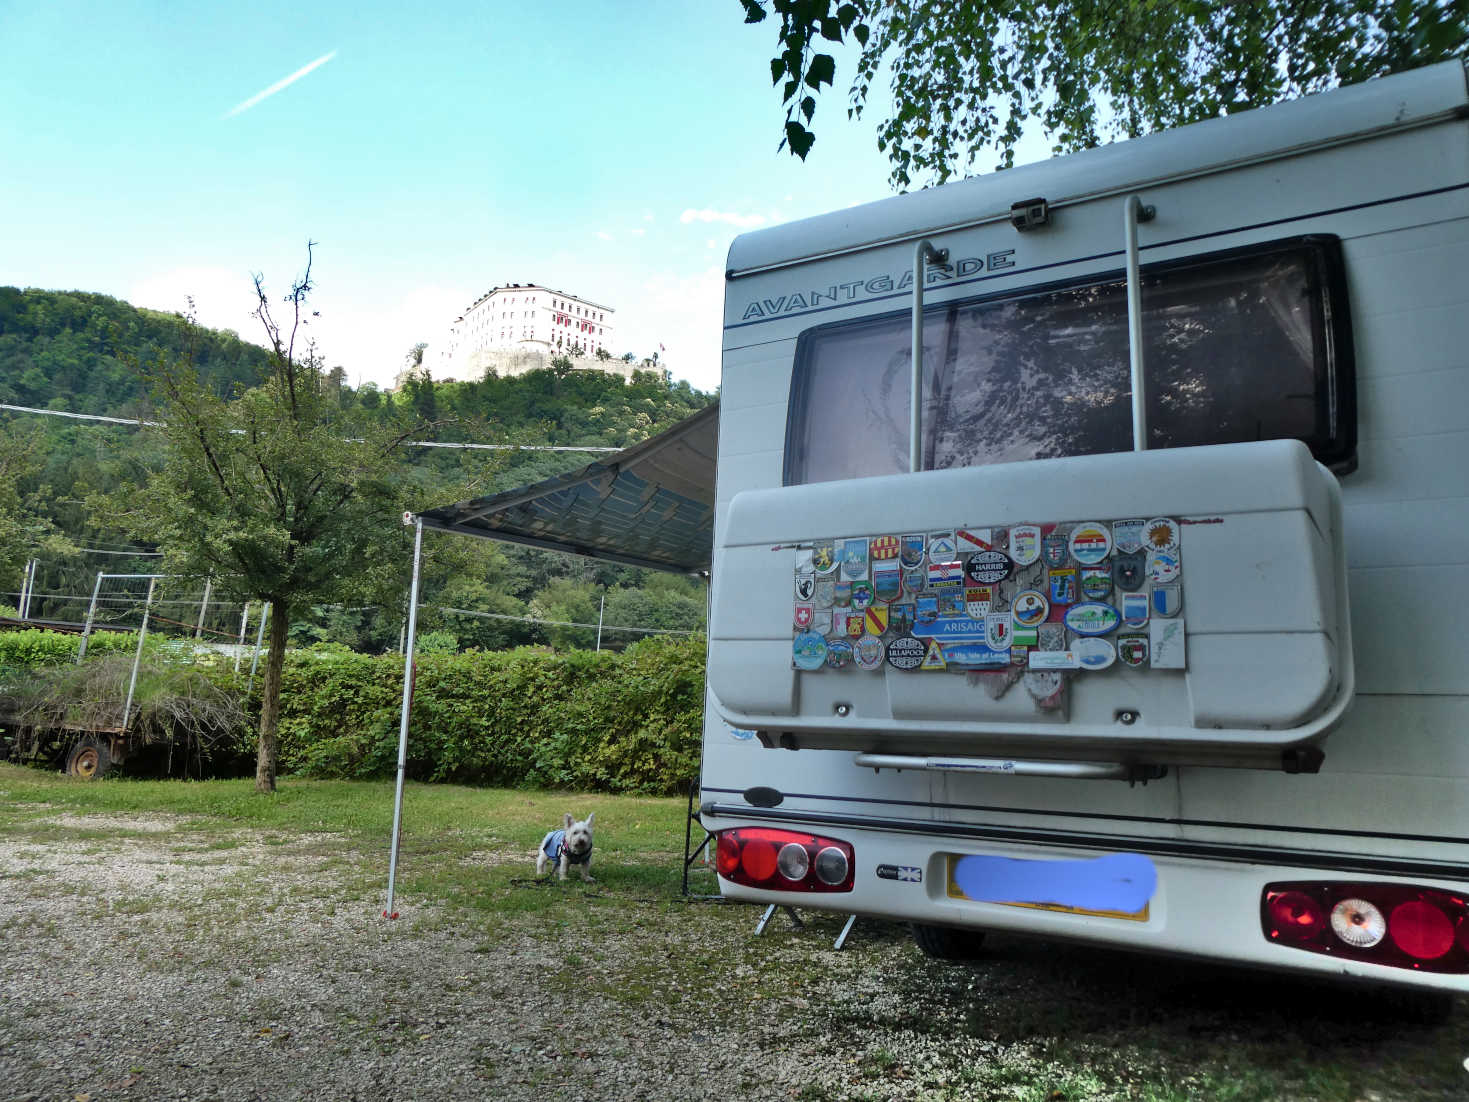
{"points": [[1117, 885]]}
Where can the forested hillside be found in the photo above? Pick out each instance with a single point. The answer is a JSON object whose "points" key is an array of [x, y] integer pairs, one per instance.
{"points": [[79, 352]]}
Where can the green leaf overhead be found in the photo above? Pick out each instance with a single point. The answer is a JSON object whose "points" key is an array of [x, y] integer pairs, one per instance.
{"points": [[967, 77]]}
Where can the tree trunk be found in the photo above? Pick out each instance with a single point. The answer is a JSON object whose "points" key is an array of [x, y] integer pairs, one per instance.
{"points": [[270, 700]]}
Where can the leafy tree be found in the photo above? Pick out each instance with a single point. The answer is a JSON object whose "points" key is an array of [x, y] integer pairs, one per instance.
{"points": [[279, 495], [23, 529], [568, 601], [967, 75]]}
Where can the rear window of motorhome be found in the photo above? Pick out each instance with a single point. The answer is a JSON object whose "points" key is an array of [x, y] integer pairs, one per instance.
{"points": [[1251, 344]]}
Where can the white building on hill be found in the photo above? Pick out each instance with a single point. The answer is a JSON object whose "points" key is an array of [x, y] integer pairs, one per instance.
{"points": [[522, 326]]}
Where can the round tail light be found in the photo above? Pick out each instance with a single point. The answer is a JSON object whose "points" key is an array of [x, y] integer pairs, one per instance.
{"points": [[831, 865], [1296, 915], [793, 861], [757, 858], [1359, 923], [1421, 930]]}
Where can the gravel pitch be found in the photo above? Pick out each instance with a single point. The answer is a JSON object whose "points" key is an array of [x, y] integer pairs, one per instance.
{"points": [[160, 966]]}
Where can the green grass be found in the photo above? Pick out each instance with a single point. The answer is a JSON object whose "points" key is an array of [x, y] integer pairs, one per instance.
{"points": [[470, 848]]}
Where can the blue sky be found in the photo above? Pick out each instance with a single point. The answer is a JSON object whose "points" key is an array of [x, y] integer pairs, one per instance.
{"points": [[608, 150]]}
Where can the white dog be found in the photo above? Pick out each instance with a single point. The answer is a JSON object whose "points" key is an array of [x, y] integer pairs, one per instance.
{"points": [[571, 845]]}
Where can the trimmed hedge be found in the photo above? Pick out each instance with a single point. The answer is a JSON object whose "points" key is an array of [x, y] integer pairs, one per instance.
{"points": [[609, 722]]}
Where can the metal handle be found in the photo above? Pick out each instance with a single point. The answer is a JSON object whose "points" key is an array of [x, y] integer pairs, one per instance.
{"points": [[1080, 770], [1136, 211], [923, 252]]}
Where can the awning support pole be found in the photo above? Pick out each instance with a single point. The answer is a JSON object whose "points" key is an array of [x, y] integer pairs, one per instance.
{"points": [[923, 254], [408, 678], [1135, 211]]}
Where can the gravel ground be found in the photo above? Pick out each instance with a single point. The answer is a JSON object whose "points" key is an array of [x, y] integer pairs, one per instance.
{"points": [[252, 966]]}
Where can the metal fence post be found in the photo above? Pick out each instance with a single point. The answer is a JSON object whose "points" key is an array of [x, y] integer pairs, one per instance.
{"points": [[91, 613], [127, 709]]}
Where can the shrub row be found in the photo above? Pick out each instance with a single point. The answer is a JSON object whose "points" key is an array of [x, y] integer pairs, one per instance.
{"points": [[33, 647], [608, 722]]}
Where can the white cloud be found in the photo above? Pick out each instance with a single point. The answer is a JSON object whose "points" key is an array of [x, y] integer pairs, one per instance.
{"points": [[242, 107], [742, 221], [638, 232], [603, 235]]}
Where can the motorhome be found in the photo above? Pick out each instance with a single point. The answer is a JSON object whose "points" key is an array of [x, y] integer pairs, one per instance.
{"points": [[1090, 548]]}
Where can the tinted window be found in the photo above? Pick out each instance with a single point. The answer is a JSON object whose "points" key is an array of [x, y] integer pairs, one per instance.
{"points": [[1240, 346]]}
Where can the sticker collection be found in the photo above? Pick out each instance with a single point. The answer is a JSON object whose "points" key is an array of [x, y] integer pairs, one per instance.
{"points": [[1032, 600]]}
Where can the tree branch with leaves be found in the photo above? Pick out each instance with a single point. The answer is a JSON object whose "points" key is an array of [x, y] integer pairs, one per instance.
{"points": [[967, 76]]}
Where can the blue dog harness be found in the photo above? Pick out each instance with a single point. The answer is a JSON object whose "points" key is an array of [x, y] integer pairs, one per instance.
{"points": [[556, 845]]}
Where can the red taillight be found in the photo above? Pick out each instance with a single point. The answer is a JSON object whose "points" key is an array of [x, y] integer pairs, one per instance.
{"points": [[784, 860], [1421, 930], [1399, 925], [1296, 915]]}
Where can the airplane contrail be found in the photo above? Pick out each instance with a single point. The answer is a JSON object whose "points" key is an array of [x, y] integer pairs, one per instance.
{"points": [[240, 108]]}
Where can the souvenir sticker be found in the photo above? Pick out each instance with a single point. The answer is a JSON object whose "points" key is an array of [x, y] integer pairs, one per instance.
{"points": [[933, 658], [862, 594], [1030, 608], [911, 551], [1094, 654], [978, 599], [809, 651], [951, 602], [869, 652], [906, 653], [1055, 549], [1051, 636], [1161, 534], [884, 548], [802, 619], [821, 621], [941, 545], [1090, 542], [975, 656], [952, 629], [1133, 650], [1135, 610], [1167, 600], [1096, 582], [1165, 637], [854, 558], [1025, 544], [856, 624], [967, 540], [824, 557], [1092, 618], [1163, 567], [839, 620], [841, 594], [823, 594], [1021, 636], [1129, 569], [838, 653], [1054, 660], [1063, 586], [887, 581], [914, 580], [901, 616], [997, 630], [805, 586], [803, 560], [877, 619], [988, 567], [928, 608], [1127, 535], [943, 574]]}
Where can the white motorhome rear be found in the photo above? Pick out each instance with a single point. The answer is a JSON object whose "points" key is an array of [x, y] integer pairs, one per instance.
{"points": [[1186, 674]]}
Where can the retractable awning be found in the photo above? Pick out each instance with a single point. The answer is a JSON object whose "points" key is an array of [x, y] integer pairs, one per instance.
{"points": [[650, 505]]}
